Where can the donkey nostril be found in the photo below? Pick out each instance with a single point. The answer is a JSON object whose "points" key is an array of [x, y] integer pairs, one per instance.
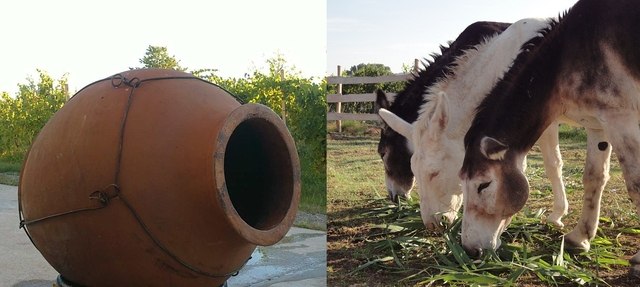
{"points": [[474, 253]]}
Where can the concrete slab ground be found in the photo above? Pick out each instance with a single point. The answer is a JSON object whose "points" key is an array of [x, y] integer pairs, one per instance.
{"points": [[298, 260]]}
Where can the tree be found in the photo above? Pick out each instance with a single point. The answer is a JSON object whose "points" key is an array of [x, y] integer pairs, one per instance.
{"points": [[366, 70], [158, 57], [23, 116], [369, 70]]}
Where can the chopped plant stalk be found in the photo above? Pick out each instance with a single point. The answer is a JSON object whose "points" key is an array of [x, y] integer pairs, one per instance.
{"points": [[530, 248], [372, 262]]}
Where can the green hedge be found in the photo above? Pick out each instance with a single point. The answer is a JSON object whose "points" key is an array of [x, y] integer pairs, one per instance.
{"points": [[22, 117]]}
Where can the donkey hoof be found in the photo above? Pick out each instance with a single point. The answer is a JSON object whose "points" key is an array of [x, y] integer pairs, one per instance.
{"points": [[575, 249], [556, 220], [576, 245]]}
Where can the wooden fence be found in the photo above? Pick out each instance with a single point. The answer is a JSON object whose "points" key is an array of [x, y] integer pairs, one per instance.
{"points": [[340, 98]]}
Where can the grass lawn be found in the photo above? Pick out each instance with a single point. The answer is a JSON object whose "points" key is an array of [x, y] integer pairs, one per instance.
{"points": [[314, 196], [374, 243], [9, 172]]}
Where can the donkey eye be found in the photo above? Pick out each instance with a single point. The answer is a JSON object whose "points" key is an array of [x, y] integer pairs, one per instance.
{"points": [[482, 186]]}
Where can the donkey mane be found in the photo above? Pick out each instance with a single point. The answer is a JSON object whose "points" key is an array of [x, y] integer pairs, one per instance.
{"points": [[453, 70], [534, 64], [412, 93], [436, 69]]}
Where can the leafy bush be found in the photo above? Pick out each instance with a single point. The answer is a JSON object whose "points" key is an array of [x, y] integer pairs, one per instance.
{"points": [[303, 102], [22, 116], [282, 89]]}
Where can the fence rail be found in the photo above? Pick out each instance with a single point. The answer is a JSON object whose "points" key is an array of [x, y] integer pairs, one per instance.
{"points": [[368, 80], [340, 98], [355, 98]]}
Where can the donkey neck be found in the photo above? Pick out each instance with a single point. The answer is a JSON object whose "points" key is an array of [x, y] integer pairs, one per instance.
{"points": [[408, 101], [478, 70], [521, 105]]}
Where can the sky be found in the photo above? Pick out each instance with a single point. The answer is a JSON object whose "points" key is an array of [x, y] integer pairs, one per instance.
{"points": [[395, 32], [93, 39], [89, 40]]}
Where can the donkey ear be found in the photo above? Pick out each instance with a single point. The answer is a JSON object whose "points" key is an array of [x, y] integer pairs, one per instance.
{"points": [[440, 114], [381, 101], [396, 123], [492, 148]]}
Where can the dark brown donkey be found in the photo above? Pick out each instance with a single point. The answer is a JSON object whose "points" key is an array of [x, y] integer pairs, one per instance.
{"points": [[586, 68]]}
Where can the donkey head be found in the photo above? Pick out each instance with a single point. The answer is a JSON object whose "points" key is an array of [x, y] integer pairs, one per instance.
{"points": [[435, 161], [395, 151], [494, 188]]}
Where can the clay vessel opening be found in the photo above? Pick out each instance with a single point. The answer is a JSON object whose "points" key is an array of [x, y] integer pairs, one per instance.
{"points": [[258, 173]]}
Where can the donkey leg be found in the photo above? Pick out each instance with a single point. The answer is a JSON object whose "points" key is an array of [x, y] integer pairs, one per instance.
{"points": [[624, 135], [550, 148], [595, 177]]}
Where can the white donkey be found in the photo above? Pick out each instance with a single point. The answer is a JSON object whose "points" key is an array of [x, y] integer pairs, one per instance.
{"points": [[437, 135], [393, 148]]}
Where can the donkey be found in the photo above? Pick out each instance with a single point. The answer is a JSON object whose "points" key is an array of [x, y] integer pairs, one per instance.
{"points": [[585, 67], [393, 148], [438, 133]]}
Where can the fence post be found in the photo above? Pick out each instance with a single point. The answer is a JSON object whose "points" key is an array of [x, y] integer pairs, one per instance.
{"points": [[284, 99], [416, 66], [339, 104]]}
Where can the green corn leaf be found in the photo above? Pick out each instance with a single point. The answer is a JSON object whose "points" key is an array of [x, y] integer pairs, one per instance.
{"points": [[372, 262]]}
